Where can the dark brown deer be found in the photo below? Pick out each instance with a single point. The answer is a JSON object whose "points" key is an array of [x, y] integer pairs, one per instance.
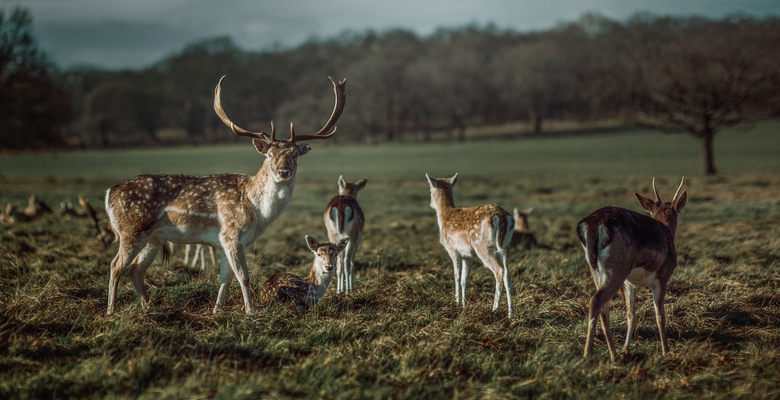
{"points": [[626, 250], [484, 230], [344, 218], [228, 210]]}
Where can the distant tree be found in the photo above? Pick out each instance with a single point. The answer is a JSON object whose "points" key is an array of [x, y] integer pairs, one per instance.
{"points": [[34, 107], [702, 77]]}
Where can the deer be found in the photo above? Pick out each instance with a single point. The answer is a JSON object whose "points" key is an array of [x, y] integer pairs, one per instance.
{"points": [[304, 293], [626, 250], [484, 230], [522, 235], [344, 218], [228, 211], [36, 208]]}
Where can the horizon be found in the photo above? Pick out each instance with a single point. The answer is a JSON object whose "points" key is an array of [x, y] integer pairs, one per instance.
{"points": [[121, 36]]}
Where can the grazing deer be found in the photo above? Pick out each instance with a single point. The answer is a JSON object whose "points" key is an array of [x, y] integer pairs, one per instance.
{"points": [[105, 235], [522, 235], [67, 210], [228, 210], [344, 218], [13, 216], [304, 292], [626, 250], [485, 230]]}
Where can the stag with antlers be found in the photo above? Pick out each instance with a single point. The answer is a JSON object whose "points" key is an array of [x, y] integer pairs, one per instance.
{"points": [[626, 250], [228, 210]]}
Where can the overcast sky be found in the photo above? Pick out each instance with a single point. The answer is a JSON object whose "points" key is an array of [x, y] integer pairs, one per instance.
{"points": [[137, 33]]}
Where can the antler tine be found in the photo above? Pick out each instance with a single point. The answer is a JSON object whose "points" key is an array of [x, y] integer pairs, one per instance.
{"points": [[677, 193], [341, 98], [235, 128], [657, 197]]}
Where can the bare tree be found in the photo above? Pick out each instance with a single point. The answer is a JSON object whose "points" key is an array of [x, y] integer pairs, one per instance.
{"points": [[709, 77]]}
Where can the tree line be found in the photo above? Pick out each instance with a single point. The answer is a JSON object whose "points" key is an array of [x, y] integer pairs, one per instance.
{"points": [[677, 74]]}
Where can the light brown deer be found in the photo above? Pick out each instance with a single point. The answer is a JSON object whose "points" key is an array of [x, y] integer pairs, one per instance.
{"points": [[304, 292], [626, 250], [484, 230], [228, 210], [344, 218]]}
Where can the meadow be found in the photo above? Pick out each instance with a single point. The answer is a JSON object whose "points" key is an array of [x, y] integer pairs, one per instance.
{"points": [[400, 334]]}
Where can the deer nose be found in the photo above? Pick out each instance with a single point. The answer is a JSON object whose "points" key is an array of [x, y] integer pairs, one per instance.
{"points": [[284, 173], [329, 267]]}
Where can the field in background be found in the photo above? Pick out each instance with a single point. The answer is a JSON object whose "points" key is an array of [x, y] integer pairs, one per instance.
{"points": [[400, 335]]}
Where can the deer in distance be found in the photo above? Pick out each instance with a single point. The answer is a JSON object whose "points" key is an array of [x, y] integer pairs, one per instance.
{"points": [[522, 236], [484, 230], [304, 293], [626, 250], [228, 210], [344, 219]]}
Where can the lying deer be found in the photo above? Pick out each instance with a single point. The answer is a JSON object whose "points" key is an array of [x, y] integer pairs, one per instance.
{"points": [[228, 210], [485, 230], [626, 250], [304, 292], [344, 218], [522, 235]]}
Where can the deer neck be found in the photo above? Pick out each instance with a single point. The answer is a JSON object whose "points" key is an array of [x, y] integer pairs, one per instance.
{"points": [[443, 203], [270, 197], [320, 282], [522, 225]]}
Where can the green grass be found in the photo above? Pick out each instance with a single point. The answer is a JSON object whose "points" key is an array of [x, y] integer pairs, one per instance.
{"points": [[400, 335]]}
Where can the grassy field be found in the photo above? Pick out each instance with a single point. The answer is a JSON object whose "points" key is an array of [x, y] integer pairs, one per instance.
{"points": [[401, 335]]}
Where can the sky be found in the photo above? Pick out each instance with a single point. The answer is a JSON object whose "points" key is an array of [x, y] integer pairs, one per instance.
{"points": [[133, 34]]}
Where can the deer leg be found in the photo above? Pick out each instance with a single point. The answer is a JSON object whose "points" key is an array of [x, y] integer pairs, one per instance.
{"points": [[187, 254], [237, 260], [597, 303], [456, 265], [608, 331], [629, 292], [202, 258], [196, 255], [138, 270], [213, 258], [340, 273], [507, 282], [225, 277], [659, 292], [128, 249], [348, 269], [464, 279]]}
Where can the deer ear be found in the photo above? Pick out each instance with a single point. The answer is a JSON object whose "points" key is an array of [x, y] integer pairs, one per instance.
{"points": [[528, 210], [680, 203], [303, 148], [261, 146], [647, 204], [432, 181], [342, 244], [361, 183], [342, 183], [312, 243], [454, 179]]}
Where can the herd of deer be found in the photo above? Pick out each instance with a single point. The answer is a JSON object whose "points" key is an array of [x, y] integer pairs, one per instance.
{"points": [[623, 248]]}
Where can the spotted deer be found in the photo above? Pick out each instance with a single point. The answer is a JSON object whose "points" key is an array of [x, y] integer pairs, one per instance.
{"points": [[484, 230], [626, 250], [227, 210], [344, 218], [305, 292], [522, 236]]}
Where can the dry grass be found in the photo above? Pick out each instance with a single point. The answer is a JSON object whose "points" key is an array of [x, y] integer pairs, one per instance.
{"points": [[400, 335]]}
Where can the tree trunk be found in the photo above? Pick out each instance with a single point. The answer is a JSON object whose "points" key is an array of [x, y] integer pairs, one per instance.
{"points": [[708, 137], [535, 119]]}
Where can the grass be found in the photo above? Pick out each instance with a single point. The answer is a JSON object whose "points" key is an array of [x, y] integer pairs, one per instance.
{"points": [[400, 335]]}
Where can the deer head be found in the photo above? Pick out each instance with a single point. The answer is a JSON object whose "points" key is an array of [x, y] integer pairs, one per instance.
{"points": [[664, 212], [349, 188], [282, 155], [325, 255]]}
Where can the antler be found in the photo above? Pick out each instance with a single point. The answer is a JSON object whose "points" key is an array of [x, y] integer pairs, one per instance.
{"points": [[677, 193], [657, 197], [341, 98], [235, 128]]}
